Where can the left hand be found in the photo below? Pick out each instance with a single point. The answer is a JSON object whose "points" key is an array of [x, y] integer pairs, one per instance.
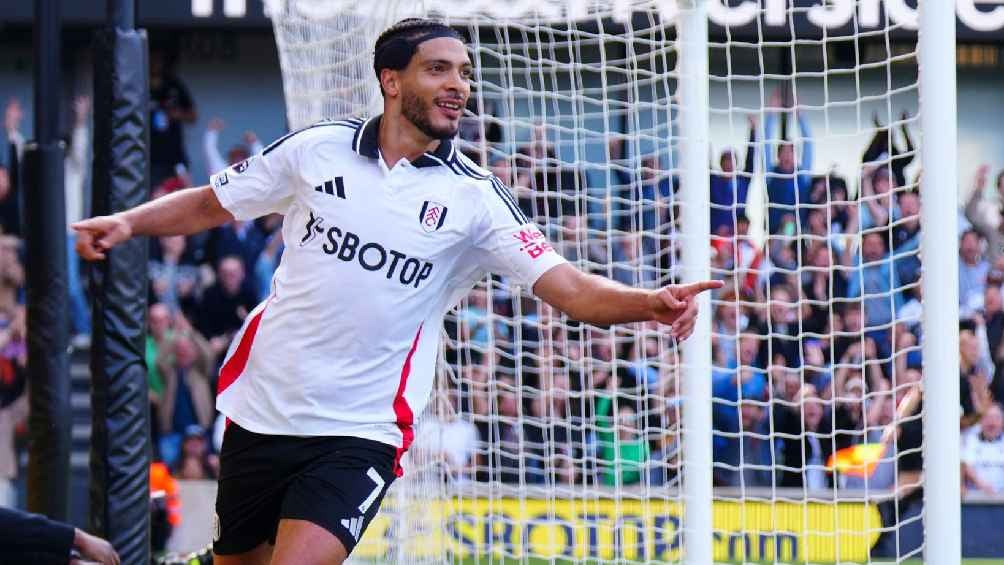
{"points": [[676, 305]]}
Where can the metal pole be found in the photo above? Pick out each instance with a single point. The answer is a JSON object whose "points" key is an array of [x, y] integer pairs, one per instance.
{"points": [[697, 493], [122, 14], [939, 195], [48, 322]]}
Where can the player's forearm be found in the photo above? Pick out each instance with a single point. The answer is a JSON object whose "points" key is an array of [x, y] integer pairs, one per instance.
{"points": [[599, 300], [183, 212]]}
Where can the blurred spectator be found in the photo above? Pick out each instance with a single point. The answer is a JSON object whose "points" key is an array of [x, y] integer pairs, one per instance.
{"points": [[186, 364], [820, 284], [788, 186], [11, 276], [983, 452], [268, 262], [880, 410], [554, 433], [478, 326], [849, 411], [158, 337], [757, 459], [449, 438], [556, 188], [906, 238], [973, 269], [211, 147], [975, 374], [76, 169], [816, 366], [878, 208], [989, 226], [13, 148], [173, 279], [874, 279], [665, 459], [783, 324], [729, 389], [727, 322], [478, 126], [13, 137], [13, 399], [502, 440], [622, 449], [805, 441], [993, 316], [171, 107], [244, 240], [882, 147], [224, 305], [729, 188], [196, 462]]}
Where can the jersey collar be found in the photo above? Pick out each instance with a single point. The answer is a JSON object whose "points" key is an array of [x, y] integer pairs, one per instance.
{"points": [[365, 143]]}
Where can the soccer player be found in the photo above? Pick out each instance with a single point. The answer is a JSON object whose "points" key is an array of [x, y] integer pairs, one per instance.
{"points": [[388, 226]]}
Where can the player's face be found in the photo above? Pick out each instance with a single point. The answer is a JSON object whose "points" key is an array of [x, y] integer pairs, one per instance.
{"points": [[435, 87]]}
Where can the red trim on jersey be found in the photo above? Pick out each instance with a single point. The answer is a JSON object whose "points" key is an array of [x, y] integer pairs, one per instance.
{"points": [[234, 366], [405, 418]]}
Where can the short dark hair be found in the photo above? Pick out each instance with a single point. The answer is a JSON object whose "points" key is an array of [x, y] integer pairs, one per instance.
{"points": [[397, 44]]}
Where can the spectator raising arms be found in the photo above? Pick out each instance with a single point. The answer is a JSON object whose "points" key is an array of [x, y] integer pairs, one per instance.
{"points": [[788, 186], [729, 189]]}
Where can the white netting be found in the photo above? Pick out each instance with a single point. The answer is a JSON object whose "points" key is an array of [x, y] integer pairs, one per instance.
{"points": [[552, 440]]}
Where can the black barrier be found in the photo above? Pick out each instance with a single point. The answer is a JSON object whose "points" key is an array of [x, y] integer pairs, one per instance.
{"points": [[48, 331], [48, 315], [120, 443]]}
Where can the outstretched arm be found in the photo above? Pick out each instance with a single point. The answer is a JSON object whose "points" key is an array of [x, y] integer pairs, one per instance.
{"points": [[181, 213], [807, 144], [750, 161], [769, 123], [598, 300]]}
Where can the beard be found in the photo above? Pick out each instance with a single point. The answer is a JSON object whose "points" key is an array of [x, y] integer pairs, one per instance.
{"points": [[416, 110]]}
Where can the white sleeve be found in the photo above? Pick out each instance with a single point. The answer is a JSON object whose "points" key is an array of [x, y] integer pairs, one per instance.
{"points": [[259, 185], [512, 245], [211, 149]]}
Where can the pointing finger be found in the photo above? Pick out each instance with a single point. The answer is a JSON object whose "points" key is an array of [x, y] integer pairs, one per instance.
{"points": [[694, 288]]}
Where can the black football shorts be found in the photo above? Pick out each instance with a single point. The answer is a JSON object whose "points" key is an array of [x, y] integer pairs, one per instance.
{"points": [[334, 482]]}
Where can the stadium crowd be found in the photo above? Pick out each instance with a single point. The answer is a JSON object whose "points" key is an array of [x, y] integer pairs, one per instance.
{"points": [[815, 335]]}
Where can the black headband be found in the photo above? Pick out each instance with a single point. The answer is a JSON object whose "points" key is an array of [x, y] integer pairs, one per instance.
{"points": [[397, 52]]}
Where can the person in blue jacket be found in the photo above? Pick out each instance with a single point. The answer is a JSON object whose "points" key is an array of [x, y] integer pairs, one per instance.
{"points": [[33, 538], [788, 187], [729, 188]]}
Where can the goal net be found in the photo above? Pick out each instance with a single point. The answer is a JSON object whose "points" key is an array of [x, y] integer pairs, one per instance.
{"points": [[551, 441]]}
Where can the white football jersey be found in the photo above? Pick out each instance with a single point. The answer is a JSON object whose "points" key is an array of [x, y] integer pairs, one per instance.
{"points": [[346, 342], [984, 458]]}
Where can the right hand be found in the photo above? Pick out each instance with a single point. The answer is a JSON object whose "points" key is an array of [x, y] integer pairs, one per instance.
{"points": [[97, 235], [94, 548], [215, 124], [980, 180]]}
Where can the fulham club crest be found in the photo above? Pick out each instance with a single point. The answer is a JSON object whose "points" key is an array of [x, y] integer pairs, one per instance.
{"points": [[432, 216]]}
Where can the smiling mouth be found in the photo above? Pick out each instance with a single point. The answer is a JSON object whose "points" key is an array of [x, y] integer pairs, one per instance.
{"points": [[450, 107]]}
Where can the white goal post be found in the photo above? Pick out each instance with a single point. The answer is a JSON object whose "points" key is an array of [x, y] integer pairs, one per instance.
{"points": [[776, 145]]}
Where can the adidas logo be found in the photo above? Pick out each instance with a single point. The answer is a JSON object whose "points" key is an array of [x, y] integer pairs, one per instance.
{"points": [[354, 526]]}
